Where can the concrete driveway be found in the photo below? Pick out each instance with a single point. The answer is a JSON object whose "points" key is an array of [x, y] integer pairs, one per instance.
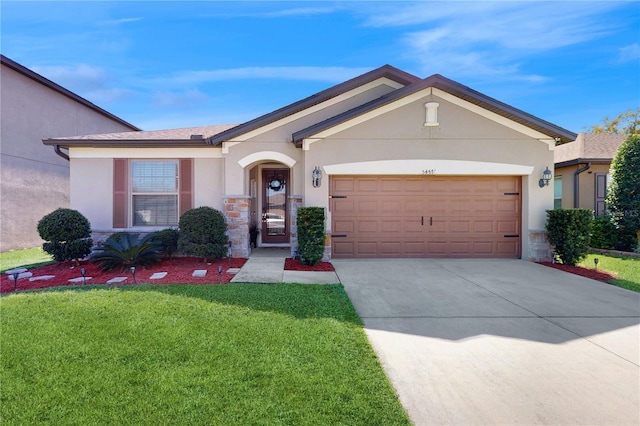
{"points": [[500, 342]]}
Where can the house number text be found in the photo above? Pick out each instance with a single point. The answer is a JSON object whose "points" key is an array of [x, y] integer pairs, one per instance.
{"points": [[429, 172]]}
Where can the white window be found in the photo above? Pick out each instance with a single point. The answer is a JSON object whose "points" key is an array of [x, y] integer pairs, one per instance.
{"points": [[557, 192], [154, 192]]}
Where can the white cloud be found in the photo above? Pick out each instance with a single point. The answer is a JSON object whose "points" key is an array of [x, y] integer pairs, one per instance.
{"points": [[300, 11], [629, 53], [325, 74], [90, 82], [121, 21], [187, 98], [490, 38]]}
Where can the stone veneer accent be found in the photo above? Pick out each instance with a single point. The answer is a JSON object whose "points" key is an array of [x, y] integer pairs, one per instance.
{"points": [[539, 248], [295, 201], [236, 211]]}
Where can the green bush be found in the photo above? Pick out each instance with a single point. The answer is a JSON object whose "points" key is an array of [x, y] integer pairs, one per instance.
{"points": [[203, 233], [168, 239], [623, 197], [569, 232], [67, 234], [126, 250], [116, 236], [311, 235], [604, 233]]}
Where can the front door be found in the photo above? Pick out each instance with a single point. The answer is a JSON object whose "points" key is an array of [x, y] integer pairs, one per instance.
{"points": [[275, 226]]}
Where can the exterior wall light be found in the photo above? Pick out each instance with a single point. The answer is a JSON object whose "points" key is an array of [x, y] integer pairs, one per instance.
{"points": [[546, 177], [316, 177]]}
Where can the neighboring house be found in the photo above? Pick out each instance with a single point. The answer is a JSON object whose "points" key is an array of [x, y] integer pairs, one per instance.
{"points": [[34, 181], [404, 166], [582, 173]]}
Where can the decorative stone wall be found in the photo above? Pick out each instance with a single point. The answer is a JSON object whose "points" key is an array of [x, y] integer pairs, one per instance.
{"points": [[236, 211], [539, 248], [295, 201]]}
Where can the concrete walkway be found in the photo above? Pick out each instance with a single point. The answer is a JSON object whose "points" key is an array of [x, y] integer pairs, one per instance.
{"points": [[266, 265], [500, 342]]}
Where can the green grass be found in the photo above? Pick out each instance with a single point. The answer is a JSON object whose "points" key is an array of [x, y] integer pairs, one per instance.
{"points": [[28, 258], [190, 354], [626, 268]]}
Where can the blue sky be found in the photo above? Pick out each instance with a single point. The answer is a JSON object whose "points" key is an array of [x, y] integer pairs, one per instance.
{"points": [[171, 64]]}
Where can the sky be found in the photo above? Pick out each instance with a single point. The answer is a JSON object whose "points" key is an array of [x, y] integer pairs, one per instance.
{"points": [[161, 65]]}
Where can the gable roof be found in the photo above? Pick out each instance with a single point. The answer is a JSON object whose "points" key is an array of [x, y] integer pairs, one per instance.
{"points": [[57, 88], [385, 71], [588, 147], [453, 88]]}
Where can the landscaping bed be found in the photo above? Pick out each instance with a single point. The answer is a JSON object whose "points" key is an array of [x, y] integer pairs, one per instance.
{"points": [[594, 274], [291, 264], [178, 269]]}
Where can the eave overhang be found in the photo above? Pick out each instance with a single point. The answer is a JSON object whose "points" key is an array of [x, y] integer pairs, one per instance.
{"points": [[578, 161], [121, 143]]}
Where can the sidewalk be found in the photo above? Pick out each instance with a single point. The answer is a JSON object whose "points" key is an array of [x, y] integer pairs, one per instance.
{"points": [[266, 265]]}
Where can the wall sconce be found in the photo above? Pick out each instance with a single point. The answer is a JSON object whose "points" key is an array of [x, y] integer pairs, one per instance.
{"points": [[546, 177], [316, 177]]}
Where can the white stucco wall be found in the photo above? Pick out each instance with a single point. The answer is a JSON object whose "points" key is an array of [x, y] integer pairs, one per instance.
{"points": [[92, 179]]}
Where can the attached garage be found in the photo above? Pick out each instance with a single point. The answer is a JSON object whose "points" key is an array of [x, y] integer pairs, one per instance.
{"points": [[426, 216]]}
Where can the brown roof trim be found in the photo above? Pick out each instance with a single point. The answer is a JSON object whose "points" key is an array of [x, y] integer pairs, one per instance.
{"points": [[453, 88], [65, 92], [131, 143], [387, 71], [579, 161]]}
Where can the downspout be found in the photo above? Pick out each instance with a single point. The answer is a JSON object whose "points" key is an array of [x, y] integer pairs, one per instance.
{"points": [[576, 184], [56, 148]]}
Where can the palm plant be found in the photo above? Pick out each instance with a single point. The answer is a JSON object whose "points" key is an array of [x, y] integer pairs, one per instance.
{"points": [[128, 250]]}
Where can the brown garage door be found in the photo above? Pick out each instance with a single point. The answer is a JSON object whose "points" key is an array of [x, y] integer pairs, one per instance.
{"points": [[425, 216]]}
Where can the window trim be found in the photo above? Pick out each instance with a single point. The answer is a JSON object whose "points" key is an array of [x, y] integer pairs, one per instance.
{"points": [[123, 200]]}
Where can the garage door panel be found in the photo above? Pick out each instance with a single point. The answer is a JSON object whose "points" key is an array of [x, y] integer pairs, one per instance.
{"points": [[434, 216], [367, 227], [343, 226]]}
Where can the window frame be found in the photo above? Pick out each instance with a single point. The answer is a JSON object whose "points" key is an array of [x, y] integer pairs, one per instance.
{"points": [[132, 194]]}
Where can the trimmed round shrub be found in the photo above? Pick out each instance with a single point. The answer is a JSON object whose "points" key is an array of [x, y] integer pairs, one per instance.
{"points": [[311, 235], [203, 233], [117, 236], [168, 240], [569, 232], [67, 234]]}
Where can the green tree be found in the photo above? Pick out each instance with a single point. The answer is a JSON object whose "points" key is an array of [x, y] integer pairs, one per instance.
{"points": [[626, 123], [623, 198]]}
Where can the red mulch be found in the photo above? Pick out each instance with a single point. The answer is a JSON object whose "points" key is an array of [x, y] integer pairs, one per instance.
{"points": [[295, 265], [585, 272], [179, 271]]}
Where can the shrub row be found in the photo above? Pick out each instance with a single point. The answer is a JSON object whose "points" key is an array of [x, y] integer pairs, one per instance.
{"points": [[68, 237]]}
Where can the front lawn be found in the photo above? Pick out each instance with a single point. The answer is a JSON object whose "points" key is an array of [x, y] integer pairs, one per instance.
{"points": [[24, 258], [626, 268], [190, 354]]}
